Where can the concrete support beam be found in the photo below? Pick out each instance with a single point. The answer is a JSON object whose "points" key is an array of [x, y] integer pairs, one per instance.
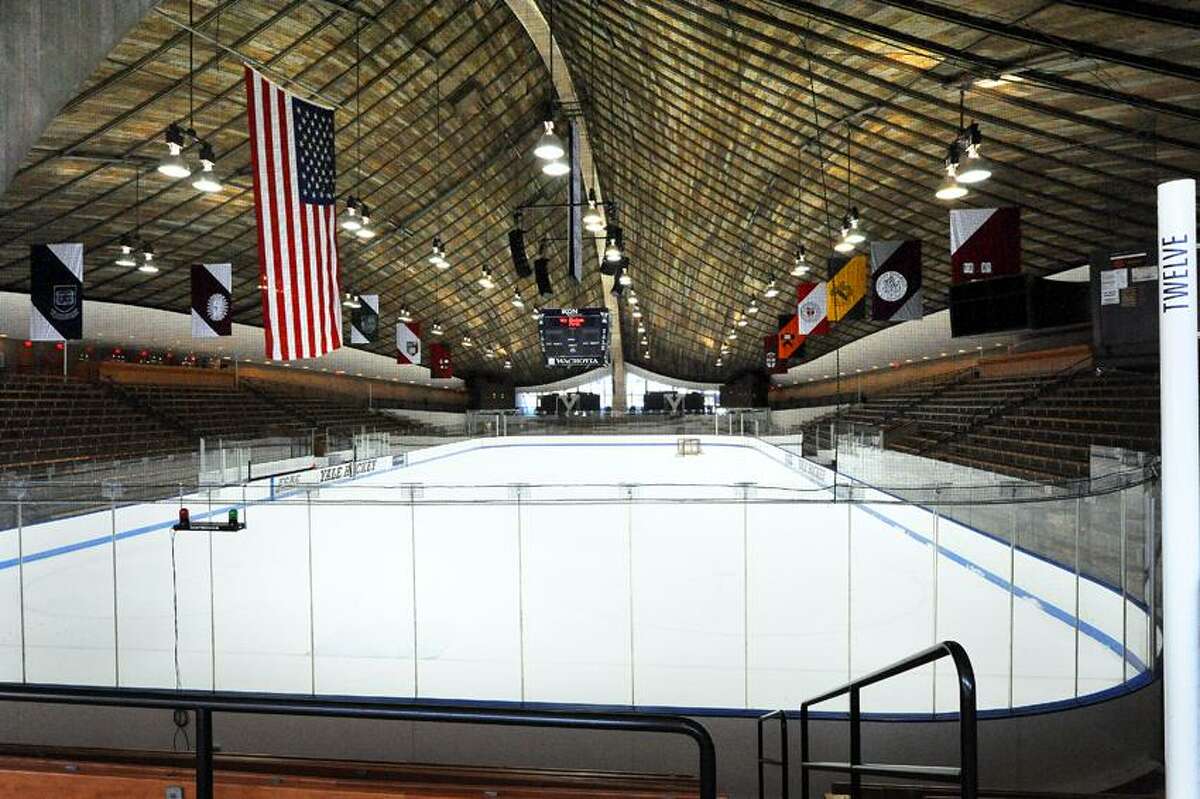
{"points": [[49, 48], [535, 24]]}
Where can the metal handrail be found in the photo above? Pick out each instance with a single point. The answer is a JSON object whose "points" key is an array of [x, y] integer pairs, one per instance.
{"points": [[782, 760], [967, 772], [205, 703]]}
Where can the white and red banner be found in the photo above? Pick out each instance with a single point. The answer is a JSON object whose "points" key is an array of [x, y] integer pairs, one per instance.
{"points": [[408, 342], [984, 243], [812, 308], [291, 148]]}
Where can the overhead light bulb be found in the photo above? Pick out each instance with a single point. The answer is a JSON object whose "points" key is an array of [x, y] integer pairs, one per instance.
{"points": [[612, 252], [637, 314], [843, 245], [207, 180], [753, 307], [549, 146], [626, 279], [535, 314], [405, 316], [517, 301], [172, 165], [633, 300], [351, 221], [350, 300], [593, 220], [126, 257], [485, 280], [799, 265], [438, 256], [772, 291], [365, 231], [719, 362], [950, 188], [976, 168], [508, 364], [466, 342], [732, 335], [556, 168], [437, 329], [742, 321], [853, 234]]}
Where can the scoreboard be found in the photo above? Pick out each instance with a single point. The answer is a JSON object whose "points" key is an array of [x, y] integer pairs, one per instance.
{"points": [[574, 337]]}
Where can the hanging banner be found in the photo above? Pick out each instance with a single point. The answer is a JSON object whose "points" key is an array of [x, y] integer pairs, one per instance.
{"points": [[364, 321], [811, 308], [440, 365], [896, 281], [56, 292], [408, 342], [789, 341], [847, 288], [984, 243], [212, 300]]}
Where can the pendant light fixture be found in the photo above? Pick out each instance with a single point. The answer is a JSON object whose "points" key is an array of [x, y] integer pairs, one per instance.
{"points": [[800, 263], [207, 181], [593, 220], [350, 300], [405, 316], [485, 281], [851, 235], [549, 146], [843, 244], [467, 342], [507, 364], [172, 164], [772, 291], [951, 188], [351, 221], [535, 314], [147, 266], [438, 256], [365, 231], [975, 168], [145, 262], [752, 308], [126, 257], [517, 302], [437, 329]]}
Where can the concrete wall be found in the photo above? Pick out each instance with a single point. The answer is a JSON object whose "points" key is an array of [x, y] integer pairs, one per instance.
{"points": [[1084, 749], [49, 49]]}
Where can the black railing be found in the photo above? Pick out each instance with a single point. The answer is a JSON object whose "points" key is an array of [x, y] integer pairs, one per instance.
{"points": [[204, 704], [782, 760], [966, 774]]}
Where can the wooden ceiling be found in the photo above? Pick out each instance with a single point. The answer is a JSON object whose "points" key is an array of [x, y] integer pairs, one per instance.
{"points": [[721, 129]]}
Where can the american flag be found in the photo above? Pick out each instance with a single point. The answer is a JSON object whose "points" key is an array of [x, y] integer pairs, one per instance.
{"points": [[291, 146]]}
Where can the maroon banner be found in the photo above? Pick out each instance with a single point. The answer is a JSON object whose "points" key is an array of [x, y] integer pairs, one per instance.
{"points": [[984, 243], [440, 365]]}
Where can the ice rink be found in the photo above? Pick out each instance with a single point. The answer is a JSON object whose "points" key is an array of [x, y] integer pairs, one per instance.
{"points": [[570, 570]]}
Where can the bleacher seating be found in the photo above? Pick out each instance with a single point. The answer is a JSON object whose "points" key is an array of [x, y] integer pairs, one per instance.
{"points": [[54, 420], [1039, 428], [330, 412], [226, 413]]}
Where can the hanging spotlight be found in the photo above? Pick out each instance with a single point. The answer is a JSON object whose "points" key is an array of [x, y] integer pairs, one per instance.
{"points": [[752, 308], [438, 256], [466, 342], [517, 301], [485, 280], [593, 220], [645, 341], [437, 329], [637, 314], [800, 265], [172, 165], [742, 321], [732, 335], [126, 257], [207, 180], [853, 234], [350, 300], [405, 316], [549, 146], [507, 364], [489, 353], [535, 314], [843, 244], [976, 169], [641, 328], [772, 291], [148, 266], [351, 221], [625, 279], [612, 251], [633, 300], [365, 231]]}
